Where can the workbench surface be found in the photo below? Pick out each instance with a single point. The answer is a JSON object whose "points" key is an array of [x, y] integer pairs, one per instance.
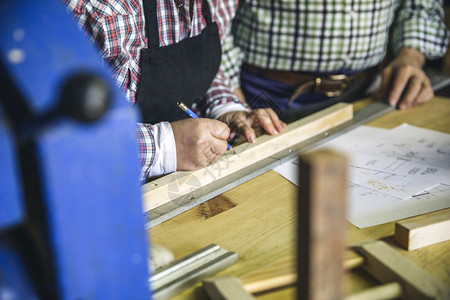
{"points": [[258, 220]]}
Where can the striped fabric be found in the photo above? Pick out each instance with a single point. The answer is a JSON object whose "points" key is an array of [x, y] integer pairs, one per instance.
{"points": [[117, 28], [333, 35]]}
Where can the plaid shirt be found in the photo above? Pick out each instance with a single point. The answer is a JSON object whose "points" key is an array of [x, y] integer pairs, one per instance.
{"points": [[117, 28], [333, 35]]}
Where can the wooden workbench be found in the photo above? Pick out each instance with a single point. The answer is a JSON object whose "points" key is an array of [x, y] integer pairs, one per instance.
{"points": [[258, 219]]}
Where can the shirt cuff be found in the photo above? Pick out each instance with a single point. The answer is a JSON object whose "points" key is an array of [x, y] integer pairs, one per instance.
{"points": [[219, 110], [165, 150]]}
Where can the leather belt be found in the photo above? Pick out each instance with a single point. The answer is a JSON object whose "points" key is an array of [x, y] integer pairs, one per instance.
{"points": [[328, 85]]}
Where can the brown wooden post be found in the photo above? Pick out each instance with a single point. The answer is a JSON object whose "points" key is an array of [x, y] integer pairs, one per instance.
{"points": [[321, 225]]}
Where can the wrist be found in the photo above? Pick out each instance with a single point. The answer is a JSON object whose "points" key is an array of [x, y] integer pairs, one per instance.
{"points": [[411, 56]]}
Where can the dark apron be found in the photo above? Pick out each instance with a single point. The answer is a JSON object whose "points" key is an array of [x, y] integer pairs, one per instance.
{"points": [[178, 72]]}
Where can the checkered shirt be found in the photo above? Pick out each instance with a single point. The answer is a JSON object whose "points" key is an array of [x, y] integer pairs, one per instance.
{"points": [[331, 36], [117, 28]]}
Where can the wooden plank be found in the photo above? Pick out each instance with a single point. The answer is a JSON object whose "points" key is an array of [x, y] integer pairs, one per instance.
{"points": [[225, 288], [175, 185], [387, 265], [321, 225], [422, 231]]}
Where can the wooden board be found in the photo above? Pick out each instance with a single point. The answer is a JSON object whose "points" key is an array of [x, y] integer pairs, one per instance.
{"points": [[178, 184], [322, 198], [387, 265], [422, 231]]}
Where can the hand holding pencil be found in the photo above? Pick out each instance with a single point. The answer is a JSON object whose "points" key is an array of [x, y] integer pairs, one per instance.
{"points": [[199, 142], [191, 114]]}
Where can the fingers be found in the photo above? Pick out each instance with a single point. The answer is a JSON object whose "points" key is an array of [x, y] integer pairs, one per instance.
{"points": [[242, 126], [401, 79], [426, 94], [242, 122], [279, 125], [217, 146], [385, 84], [406, 86], [199, 142], [210, 157], [269, 121], [218, 129], [417, 92], [215, 143]]}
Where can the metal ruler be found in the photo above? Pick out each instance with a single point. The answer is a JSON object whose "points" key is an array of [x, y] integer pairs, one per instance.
{"points": [[186, 202], [189, 270]]}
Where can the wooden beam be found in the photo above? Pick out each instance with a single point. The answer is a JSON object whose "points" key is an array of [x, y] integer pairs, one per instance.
{"points": [[321, 225], [352, 260], [189, 184], [278, 274], [392, 290], [283, 272], [422, 231], [387, 265]]}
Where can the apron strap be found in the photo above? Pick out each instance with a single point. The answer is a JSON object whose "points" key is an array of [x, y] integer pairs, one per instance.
{"points": [[151, 23], [206, 12], [151, 20]]}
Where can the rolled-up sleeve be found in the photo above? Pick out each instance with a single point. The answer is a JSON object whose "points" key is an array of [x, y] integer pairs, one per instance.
{"points": [[156, 148], [420, 25]]}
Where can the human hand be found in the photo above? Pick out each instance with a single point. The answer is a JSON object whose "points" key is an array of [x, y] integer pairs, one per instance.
{"points": [[242, 122], [199, 142], [404, 83]]}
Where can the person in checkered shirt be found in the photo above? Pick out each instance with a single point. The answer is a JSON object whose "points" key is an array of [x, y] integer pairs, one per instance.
{"points": [[299, 56], [164, 51]]}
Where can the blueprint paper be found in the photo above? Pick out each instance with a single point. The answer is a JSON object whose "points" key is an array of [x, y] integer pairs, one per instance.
{"points": [[400, 187], [367, 207], [377, 197], [406, 150], [402, 165]]}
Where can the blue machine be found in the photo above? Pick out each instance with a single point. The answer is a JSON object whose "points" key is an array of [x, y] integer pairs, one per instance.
{"points": [[71, 222]]}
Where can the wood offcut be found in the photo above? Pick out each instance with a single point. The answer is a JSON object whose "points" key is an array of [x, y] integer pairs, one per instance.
{"points": [[422, 231]]}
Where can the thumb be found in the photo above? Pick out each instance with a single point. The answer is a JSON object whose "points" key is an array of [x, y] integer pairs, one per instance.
{"points": [[218, 129]]}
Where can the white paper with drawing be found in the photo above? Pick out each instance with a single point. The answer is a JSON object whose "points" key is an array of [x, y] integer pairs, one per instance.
{"points": [[393, 174]]}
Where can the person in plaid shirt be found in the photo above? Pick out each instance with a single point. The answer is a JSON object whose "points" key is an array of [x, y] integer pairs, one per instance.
{"points": [[161, 52], [297, 54]]}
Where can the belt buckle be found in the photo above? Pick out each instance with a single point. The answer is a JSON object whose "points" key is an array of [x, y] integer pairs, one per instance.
{"points": [[335, 77]]}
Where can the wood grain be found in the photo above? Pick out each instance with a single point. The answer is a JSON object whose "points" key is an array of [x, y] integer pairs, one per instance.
{"points": [[424, 230], [261, 228], [322, 202]]}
